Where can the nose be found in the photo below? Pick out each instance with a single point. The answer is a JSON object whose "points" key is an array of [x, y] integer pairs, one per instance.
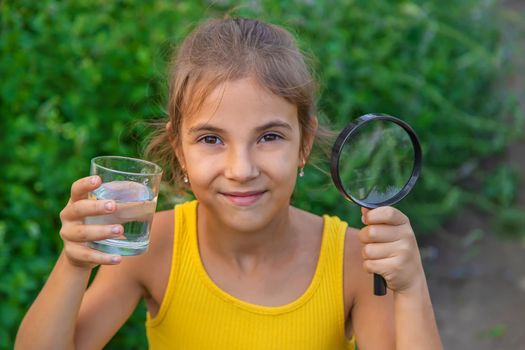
{"points": [[241, 165]]}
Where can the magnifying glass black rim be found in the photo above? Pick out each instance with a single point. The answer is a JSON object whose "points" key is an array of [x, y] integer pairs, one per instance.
{"points": [[351, 129]]}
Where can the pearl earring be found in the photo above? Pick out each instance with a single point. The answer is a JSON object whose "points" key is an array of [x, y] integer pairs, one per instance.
{"points": [[185, 178], [301, 172]]}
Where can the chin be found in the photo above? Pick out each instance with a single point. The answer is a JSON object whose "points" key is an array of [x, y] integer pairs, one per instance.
{"points": [[251, 219], [247, 220]]}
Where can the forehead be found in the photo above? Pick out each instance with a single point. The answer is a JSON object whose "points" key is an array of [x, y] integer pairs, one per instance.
{"points": [[242, 103]]}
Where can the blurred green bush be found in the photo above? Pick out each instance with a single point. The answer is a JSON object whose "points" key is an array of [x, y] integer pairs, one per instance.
{"points": [[75, 76]]}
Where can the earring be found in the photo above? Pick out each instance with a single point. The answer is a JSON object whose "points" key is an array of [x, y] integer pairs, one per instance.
{"points": [[301, 169], [185, 179]]}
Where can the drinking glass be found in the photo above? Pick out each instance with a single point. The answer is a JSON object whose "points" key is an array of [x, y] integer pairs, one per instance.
{"points": [[134, 186]]}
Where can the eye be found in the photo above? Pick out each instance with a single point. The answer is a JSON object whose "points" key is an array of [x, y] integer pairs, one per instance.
{"points": [[210, 140], [270, 137]]}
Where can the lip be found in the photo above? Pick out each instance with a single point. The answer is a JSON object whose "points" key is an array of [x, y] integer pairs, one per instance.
{"points": [[243, 198]]}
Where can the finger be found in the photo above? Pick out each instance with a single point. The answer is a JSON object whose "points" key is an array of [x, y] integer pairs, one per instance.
{"points": [[78, 210], [381, 233], [375, 251], [385, 215], [85, 255], [382, 267], [86, 233], [81, 187]]}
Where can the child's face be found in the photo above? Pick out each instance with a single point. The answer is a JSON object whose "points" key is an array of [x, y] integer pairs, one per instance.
{"points": [[241, 154]]}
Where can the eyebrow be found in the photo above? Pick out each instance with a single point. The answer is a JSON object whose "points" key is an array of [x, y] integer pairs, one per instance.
{"points": [[210, 128]]}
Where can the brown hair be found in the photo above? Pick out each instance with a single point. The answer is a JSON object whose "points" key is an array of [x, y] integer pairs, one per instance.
{"points": [[227, 49]]}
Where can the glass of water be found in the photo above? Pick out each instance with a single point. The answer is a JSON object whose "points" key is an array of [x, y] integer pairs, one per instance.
{"points": [[134, 185]]}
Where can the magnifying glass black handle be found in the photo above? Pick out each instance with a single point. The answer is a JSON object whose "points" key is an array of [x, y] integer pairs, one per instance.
{"points": [[379, 285]]}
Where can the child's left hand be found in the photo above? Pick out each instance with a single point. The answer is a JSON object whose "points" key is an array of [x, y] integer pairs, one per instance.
{"points": [[390, 248]]}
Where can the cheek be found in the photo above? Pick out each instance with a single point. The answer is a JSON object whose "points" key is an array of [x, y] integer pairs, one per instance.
{"points": [[201, 167], [282, 166]]}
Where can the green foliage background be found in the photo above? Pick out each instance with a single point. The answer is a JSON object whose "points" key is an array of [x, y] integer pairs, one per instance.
{"points": [[75, 76]]}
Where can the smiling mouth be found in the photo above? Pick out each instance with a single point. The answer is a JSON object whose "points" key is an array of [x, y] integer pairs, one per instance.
{"points": [[243, 198]]}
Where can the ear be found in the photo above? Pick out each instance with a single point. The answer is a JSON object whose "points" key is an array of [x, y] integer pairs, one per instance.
{"points": [[309, 140], [174, 144]]}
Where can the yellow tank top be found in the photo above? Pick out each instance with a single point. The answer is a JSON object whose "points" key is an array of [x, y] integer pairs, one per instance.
{"points": [[195, 314]]}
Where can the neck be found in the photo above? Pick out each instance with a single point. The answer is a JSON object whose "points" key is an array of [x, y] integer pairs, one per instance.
{"points": [[247, 250]]}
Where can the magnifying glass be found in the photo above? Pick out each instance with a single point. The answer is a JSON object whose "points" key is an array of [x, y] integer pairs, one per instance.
{"points": [[376, 161]]}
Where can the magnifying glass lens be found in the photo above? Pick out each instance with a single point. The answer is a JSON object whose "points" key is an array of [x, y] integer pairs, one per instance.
{"points": [[376, 162]]}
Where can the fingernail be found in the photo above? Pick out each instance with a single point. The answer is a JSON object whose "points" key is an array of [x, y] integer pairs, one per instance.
{"points": [[93, 180], [363, 219], [115, 259], [115, 230], [109, 205]]}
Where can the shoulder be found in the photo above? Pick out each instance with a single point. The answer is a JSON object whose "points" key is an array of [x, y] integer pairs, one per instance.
{"points": [[161, 236], [352, 247], [158, 256], [356, 280], [353, 260], [162, 227]]}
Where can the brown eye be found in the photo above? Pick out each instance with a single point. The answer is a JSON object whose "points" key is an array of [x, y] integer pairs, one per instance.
{"points": [[270, 137], [211, 140]]}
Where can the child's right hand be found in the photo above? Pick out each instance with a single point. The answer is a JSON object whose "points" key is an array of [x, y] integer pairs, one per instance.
{"points": [[76, 234]]}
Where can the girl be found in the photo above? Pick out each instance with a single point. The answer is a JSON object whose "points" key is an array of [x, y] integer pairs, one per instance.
{"points": [[239, 267]]}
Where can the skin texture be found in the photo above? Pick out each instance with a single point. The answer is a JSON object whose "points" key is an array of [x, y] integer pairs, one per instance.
{"points": [[241, 157], [241, 153]]}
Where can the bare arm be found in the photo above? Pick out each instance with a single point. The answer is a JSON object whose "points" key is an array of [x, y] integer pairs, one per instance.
{"points": [[371, 318], [390, 249], [415, 323], [51, 322]]}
